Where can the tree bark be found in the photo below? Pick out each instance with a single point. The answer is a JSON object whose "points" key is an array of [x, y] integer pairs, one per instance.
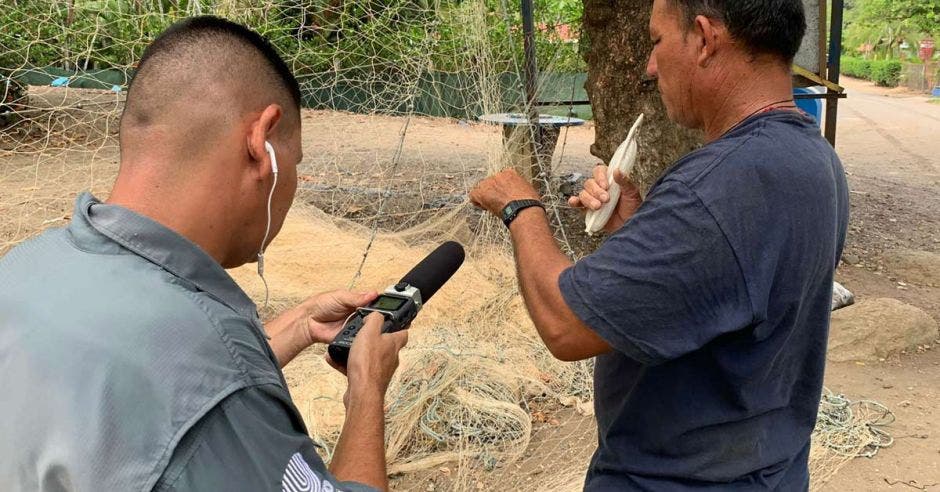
{"points": [[617, 49]]}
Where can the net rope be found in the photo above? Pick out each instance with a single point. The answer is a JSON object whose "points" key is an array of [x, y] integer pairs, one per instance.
{"points": [[392, 93]]}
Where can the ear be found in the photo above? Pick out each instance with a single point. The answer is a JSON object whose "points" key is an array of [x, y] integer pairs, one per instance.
{"points": [[708, 33], [261, 130]]}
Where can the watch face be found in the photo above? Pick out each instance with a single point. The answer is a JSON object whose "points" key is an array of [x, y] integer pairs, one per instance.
{"points": [[507, 210]]}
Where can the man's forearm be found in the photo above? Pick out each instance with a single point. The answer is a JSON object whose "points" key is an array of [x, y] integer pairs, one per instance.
{"points": [[540, 262], [288, 336], [360, 452]]}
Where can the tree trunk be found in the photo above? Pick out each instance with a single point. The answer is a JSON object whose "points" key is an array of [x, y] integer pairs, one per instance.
{"points": [[617, 49]]}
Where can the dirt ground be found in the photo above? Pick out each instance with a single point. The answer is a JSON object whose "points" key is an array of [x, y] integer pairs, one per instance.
{"points": [[889, 141]]}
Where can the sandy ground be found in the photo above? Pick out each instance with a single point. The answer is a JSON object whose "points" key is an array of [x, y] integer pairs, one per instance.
{"points": [[889, 141]]}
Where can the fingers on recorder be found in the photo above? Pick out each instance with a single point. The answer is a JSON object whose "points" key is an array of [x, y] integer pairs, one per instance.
{"points": [[373, 356]]}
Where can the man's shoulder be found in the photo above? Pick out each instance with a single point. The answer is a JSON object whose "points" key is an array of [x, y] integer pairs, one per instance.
{"points": [[151, 352], [112, 301], [29, 252], [122, 314], [775, 146]]}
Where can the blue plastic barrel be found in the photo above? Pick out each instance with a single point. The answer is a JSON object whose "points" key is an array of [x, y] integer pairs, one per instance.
{"points": [[812, 107]]}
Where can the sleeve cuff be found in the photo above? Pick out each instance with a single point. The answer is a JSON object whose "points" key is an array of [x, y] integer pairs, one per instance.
{"points": [[611, 334]]}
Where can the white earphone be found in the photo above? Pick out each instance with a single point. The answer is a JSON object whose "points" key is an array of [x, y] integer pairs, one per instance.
{"points": [[270, 149], [267, 228]]}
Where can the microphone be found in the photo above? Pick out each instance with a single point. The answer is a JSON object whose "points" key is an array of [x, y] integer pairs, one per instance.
{"points": [[435, 269], [400, 303]]}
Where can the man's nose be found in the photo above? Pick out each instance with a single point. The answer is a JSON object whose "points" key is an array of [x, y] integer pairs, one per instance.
{"points": [[651, 68]]}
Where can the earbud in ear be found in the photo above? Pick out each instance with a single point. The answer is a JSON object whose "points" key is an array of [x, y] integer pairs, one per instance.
{"points": [[270, 149]]}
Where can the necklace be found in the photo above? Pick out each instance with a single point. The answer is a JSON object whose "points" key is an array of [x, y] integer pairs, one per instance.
{"points": [[763, 109]]}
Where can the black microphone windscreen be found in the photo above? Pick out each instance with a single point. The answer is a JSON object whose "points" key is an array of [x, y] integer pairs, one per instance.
{"points": [[435, 269]]}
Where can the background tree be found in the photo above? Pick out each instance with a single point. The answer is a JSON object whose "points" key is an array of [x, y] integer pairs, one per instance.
{"points": [[616, 48], [884, 24]]}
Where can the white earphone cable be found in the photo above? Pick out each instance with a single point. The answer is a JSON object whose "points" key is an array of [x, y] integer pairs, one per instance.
{"points": [[267, 228]]}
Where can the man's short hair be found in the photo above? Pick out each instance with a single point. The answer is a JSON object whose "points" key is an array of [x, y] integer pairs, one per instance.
{"points": [[199, 46], [773, 27]]}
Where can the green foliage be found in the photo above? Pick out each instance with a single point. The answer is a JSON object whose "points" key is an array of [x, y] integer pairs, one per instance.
{"points": [[505, 35], [886, 73], [855, 67], [314, 36], [98, 34], [22, 25], [365, 54], [884, 24], [561, 56]]}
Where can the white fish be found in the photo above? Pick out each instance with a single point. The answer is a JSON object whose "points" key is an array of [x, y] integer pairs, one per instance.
{"points": [[624, 159]]}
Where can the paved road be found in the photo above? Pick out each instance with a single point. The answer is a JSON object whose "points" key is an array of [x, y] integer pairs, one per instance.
{"points": [[889, 134]]}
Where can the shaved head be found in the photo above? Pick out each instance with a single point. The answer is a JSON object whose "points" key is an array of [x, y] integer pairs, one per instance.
{"points": [[199, 78], [208, 101]]}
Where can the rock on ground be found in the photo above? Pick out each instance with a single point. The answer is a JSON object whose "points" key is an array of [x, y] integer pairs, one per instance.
{"points": [[916, 267], [877, 328]]}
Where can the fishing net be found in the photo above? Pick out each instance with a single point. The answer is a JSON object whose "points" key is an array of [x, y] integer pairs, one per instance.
{"points": [[392, 94], [846, 429]]}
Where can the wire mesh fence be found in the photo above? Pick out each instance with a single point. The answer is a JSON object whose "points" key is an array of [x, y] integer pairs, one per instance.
{"points": [[392, 92]]}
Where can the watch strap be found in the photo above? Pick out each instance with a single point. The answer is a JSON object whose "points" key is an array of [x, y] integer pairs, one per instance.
{"points": [[512, 209]]}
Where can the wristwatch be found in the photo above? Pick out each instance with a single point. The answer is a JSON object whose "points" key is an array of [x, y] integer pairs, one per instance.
{"points": [[512, 209]]}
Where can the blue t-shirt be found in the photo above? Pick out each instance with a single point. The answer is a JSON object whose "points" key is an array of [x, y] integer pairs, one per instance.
{"points": [[715, 296]]}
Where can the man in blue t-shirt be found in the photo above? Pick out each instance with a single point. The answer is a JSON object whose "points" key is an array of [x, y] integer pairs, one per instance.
{"points": [[708, 307]]}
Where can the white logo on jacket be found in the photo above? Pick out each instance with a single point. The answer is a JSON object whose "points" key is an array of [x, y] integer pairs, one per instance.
{"points": [[299, 477]]}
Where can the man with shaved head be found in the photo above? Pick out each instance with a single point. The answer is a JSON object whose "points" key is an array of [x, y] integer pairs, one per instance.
{"points": [[131, 360]]}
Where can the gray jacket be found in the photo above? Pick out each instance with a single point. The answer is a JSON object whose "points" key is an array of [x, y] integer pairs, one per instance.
{"points": [[130, 360]]}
